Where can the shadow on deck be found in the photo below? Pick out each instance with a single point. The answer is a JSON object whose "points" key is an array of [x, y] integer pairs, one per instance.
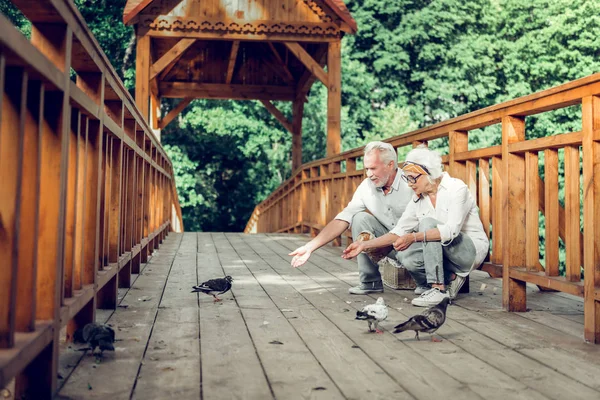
{"points": [[290, 333]]}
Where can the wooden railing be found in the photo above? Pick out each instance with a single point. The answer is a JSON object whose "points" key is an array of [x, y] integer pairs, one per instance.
{"points": [[86, 191], [507, 185]]}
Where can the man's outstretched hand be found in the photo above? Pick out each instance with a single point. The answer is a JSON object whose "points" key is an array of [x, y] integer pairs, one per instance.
{"points": [[353, 250], [301, 256]]}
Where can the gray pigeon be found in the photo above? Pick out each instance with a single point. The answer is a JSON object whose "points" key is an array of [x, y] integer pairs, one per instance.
{"points": [[96, 335], [373, 314], [429, 321], [214, 287]]}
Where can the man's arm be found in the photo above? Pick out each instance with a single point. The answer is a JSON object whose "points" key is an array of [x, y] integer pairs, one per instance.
{"points": [[332, 230], [356, 248]]}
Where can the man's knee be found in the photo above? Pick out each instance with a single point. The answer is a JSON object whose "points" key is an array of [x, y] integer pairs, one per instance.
{"points": [[428, 223], [360, 222]]}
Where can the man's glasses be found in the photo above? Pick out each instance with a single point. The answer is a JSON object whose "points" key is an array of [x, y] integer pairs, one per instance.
{"points": [[411, 179]]}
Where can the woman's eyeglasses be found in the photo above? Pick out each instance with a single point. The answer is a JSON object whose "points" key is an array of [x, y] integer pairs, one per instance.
{"points": [[411, 179]]}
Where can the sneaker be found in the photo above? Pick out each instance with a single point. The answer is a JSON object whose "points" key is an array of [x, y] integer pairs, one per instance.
{"points": [[430, 298], [366, 288], [455, 286], [421, 289]]}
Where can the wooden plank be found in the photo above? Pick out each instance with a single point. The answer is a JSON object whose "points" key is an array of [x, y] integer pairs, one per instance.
{"points": [[281, 66], [471, 177], [310, 63], [591, 217], [334, 98], [93, 171], [69, 216], [477, 154], [532, 221], [553, 282], [572, 210], [221, 91], [174, 112], [549, 142], [551, 211], [115, 200], [513, 213], [235, 45], [307, 78], [12, 126], [484, 195], [224, 323], [80, 205], [30, 165], [170, 56], [278, 115]]}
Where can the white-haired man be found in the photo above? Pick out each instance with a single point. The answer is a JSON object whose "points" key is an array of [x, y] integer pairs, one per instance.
{"points": [[385, 195]]}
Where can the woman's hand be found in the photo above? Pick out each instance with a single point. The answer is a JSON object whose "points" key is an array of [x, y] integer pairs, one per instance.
{"points": [[353, 250], [404, 242]]}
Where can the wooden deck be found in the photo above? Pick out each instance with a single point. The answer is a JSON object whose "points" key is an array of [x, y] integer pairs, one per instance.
{"points": [[290, 333]]}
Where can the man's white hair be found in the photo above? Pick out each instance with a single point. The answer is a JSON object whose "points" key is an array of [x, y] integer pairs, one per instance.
{"points": [[431, 159], [386, 152]]}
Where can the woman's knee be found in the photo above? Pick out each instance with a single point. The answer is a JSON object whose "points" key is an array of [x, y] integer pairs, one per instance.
{"points": [[411, 262]]}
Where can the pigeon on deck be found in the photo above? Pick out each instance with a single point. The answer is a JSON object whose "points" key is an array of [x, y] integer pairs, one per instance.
{"points": [[214, 287], [429, 321], [373, 314], [96, 335]]}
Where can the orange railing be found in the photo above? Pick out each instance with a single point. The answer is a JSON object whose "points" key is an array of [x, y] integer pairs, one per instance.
{"points": [[87, 192], [507, 185]]}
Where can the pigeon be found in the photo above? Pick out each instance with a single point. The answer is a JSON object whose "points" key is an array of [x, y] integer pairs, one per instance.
{"points": [[429, 321], [214, 287], [373, 314], [96, 335]]}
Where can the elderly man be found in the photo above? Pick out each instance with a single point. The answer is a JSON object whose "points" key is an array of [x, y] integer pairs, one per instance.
{"points": [[385, 195]]}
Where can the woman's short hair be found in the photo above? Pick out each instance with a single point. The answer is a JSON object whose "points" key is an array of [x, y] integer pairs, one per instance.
{"points": [[386, 152], [429, 158]]}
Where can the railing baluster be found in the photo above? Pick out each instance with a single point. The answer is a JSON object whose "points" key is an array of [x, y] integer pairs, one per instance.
{"points": [[572, 210], [551, 211]]}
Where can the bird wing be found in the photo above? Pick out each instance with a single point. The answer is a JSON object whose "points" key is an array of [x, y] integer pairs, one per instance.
{"points": [[413, 324], [216, 285], [434, 317], [378, 311]]}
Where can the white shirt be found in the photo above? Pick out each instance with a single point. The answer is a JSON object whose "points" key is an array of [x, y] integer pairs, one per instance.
{"points": [[457, 211], [386, 208]]}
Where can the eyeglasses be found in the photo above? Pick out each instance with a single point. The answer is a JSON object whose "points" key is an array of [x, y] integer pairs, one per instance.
{"points": [[411, 179]]}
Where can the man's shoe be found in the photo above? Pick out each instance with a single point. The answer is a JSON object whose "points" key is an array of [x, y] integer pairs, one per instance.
{"points": [[421, 289], [430, 298], [366, 288], [455, 286]]}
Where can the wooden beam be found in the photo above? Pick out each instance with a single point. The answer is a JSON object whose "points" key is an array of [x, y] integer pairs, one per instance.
{"points": [[297, 114], [308, 61], [334, 98], [513, 213], [142, 76], [307, 79], [174, 112], [284, 70], [231, 64], [591, 217], [225, 92], [279, 115], [170, 56]]}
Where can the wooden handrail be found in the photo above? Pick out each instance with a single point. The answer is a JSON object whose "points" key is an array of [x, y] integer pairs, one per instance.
{"points": [[88, 192], [510, 197]]}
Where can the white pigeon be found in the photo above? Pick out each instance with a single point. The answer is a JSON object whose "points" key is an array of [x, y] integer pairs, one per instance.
{"points": [[373, 314]]}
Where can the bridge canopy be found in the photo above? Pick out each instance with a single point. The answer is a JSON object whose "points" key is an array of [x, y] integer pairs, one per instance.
{"points": [[254, 50]]}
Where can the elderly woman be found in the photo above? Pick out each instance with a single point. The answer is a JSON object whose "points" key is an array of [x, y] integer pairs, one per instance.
{"points": [[439, 238]]}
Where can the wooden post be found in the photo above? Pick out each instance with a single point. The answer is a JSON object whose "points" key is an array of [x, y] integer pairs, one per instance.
{"points": [[459, 142], [513, 212], [591, 217], [297, 113], [142, 75], [334, 98]]}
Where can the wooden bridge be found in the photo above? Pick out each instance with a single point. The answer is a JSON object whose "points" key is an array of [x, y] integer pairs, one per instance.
{"points": [[88, 198]]}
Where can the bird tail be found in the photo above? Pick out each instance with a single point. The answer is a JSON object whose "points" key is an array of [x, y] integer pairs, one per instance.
{"points": [[361, 315], [405, 326], [198, 289]]}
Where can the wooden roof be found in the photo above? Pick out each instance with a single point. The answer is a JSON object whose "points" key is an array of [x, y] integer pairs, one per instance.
{"points": [[337, 7]]}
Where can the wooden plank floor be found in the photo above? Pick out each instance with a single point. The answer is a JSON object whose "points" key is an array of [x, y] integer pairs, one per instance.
{"points": [[289, 333]]}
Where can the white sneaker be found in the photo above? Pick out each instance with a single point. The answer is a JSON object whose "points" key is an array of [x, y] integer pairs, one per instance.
{"points": [[455, 286], [421, 289], [430, 298]]}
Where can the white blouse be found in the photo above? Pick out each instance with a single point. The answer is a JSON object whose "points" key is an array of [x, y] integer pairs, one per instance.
{"points": [[455, 209]]}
